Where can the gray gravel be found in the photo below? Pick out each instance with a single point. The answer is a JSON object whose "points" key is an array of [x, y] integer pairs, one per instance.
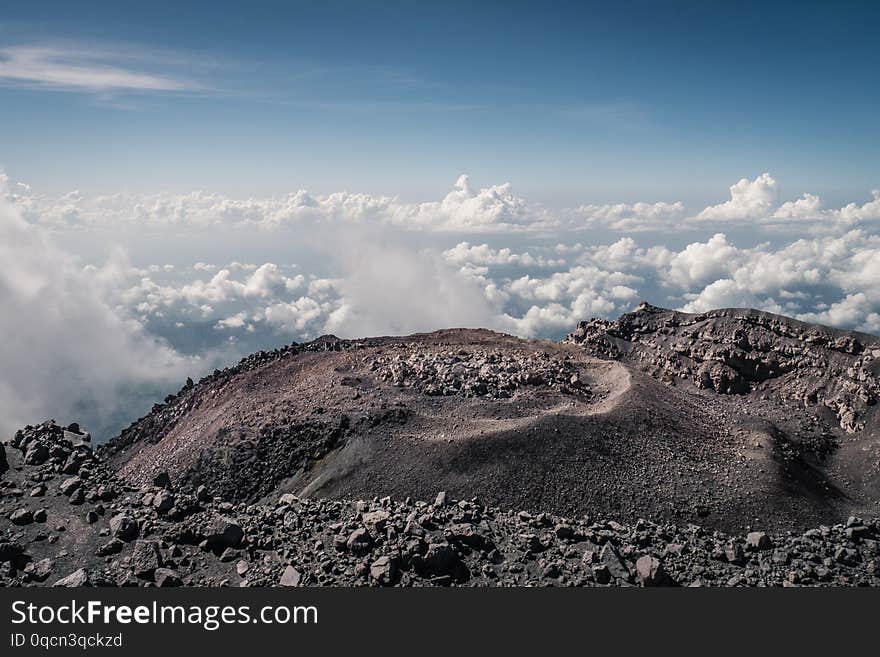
{"points": [[202, 540]]}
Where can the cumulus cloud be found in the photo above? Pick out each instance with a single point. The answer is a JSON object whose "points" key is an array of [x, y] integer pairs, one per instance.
{"points": [[482, 254], [749, 199], [630, 216], [556, 302], [491, 210], [382, 287], [726, 293], [854, 213], [625, 254], [830, 279], [808, 206], [302, 317], [465, 209], [861, 310], [701, 262]]}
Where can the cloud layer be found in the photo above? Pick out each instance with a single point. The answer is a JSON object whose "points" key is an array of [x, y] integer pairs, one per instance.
{"points": [[465, 209]]}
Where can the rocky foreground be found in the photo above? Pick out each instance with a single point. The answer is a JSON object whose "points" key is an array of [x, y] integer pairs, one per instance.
{"points": [[66, 519]]}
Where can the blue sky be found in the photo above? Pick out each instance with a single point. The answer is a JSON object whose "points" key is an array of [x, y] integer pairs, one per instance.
{"points": [[570, 102]]}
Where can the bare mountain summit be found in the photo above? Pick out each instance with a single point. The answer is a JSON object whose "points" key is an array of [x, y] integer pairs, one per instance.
{"points": [[727, 418]]}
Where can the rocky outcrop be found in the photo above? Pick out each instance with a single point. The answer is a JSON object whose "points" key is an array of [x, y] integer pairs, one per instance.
{"points": [[742, 352], [478, 373]]}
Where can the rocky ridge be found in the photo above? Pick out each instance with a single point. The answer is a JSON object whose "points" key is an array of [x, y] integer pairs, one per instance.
{"points": [[740, 352], [165, 415]]}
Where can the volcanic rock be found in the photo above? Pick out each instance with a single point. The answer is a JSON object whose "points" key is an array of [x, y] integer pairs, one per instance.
{"points": [[758, 541], [163, 501], [650, 572], [165, 578], [359, 541], [21, 517], [145, 559], [37, 455], [68, 486], [290, 577], [384, 570], [221, 532], [124, 527], [77, 578]]}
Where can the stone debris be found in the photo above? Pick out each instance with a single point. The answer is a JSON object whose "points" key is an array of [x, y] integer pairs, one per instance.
{"points": [[295, 541], [478, 373]]}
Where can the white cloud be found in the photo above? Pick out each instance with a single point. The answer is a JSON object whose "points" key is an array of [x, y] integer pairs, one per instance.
{"points": [[489, 210], [808, 206], [832, 280], [563, 298], [749, 199], [726, 293], [302, 316], [490, 207], [630, 217], [465, 209], [624, 254], [482, 254], [238, 320], [74, 69], [853, 310], [854, 213], [701, 262]]}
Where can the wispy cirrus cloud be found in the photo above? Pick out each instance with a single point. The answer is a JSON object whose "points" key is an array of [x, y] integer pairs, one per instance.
{"points": [[72, 68]]}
